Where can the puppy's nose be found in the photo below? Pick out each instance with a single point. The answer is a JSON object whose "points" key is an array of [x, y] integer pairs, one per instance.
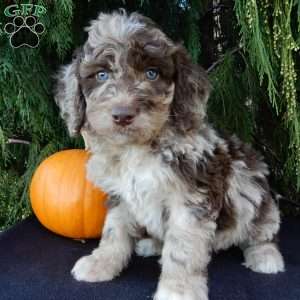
{"points": [[123, 115]]}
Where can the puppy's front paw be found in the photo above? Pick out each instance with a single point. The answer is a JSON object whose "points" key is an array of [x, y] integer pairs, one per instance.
{"points": [[92, 269], [165, 293]]}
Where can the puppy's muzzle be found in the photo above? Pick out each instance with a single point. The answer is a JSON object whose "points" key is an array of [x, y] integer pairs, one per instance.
{"points": [[124, 115]]}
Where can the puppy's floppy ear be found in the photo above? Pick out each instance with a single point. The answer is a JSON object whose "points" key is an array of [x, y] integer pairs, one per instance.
{"points": [[68, 95], [192, 89]]}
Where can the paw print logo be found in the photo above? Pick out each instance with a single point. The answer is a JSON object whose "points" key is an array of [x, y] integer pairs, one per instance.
{"points": [[24, 31]]}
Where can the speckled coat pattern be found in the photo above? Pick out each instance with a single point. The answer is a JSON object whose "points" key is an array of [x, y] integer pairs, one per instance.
{"points": [[177, 188]]}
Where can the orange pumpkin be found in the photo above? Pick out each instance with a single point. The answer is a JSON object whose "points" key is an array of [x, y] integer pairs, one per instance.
{"points": [[63, 199]]}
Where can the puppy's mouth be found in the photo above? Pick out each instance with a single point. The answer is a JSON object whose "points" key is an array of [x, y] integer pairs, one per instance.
{"points": [[132, 134], [126, 130]]}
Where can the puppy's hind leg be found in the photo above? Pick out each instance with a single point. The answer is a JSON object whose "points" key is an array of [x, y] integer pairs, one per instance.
{"points": [[261, 251], [264, 258]]}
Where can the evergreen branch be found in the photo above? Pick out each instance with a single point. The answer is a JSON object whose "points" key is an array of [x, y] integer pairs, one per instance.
{"points": [[17, 141], [263, 145], [220, 60]]}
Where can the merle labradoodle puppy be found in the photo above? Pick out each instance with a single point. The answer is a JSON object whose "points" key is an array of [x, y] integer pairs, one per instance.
{"points": [[177, 188]]}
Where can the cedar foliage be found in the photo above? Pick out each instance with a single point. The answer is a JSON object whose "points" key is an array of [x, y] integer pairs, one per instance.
{"points": [[250, 49]]}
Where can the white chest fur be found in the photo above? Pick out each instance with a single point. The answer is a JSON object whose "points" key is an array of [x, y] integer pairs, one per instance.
{"points": [[142, 181]]}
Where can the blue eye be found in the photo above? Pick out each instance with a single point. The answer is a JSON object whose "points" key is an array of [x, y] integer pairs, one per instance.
{"points": [[151, 74], [102, 75]]}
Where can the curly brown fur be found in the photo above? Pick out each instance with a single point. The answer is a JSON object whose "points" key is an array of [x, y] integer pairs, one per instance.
{"points": [[166, 170]]}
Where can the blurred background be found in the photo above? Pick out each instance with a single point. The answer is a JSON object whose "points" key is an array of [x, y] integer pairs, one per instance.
{"points": [[250, 49]]}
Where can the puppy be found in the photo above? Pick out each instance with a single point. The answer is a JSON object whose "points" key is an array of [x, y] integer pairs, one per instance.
{"points": [[141, 104]]}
